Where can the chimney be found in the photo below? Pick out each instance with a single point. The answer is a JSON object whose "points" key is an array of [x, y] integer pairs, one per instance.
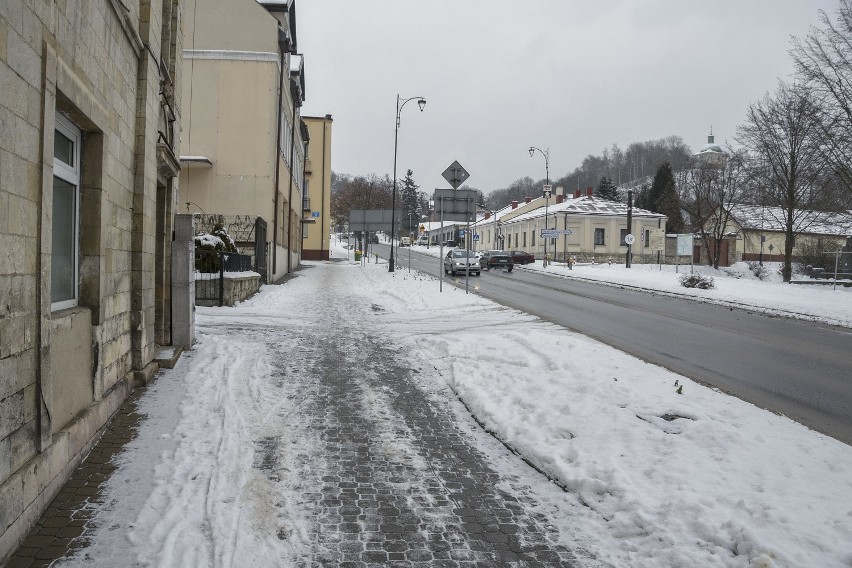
{"points": [[488, 214], [577, 194], [528, 199], [588, 192], [514, 205], [559, 198]]}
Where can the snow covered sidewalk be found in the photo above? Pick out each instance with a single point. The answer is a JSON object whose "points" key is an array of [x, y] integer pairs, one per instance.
{"points": [[645, 476]]}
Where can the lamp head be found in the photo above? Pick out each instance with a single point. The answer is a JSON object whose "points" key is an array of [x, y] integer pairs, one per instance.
{"points": [[532, 151], [421, 103]]}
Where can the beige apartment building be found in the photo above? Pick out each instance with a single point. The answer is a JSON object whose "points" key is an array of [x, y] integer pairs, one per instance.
{"points": [[317, 203], [243, 144], [88, 179]]}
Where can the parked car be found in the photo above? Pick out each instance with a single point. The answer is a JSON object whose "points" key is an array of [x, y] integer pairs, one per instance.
{"points": [[460, 260], [374, 239], [496, 259], [423, 240], [522, 257], [405, 241]]}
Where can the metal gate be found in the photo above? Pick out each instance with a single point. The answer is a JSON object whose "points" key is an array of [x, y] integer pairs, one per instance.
{"points": [[248, 232], [260, 252], [210, 269]]}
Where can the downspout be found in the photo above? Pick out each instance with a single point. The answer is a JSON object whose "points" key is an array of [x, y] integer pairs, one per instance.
{"points": [[301, 239], [282, 42], [290, 195]]}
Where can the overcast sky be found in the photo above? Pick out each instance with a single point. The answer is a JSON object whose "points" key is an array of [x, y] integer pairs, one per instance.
{"points": [[574, 76]]}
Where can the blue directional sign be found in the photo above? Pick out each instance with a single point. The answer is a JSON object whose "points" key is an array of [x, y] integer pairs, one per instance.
{"points": [[475, 238]]}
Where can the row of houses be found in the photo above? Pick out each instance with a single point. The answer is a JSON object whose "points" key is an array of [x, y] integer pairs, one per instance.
{"points": [[598, 228], [115, 118], [593, 228]]}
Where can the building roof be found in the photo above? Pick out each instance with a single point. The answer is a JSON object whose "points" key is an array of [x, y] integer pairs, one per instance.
{"points": [[711, 148], [758, 217], [586, 205]]}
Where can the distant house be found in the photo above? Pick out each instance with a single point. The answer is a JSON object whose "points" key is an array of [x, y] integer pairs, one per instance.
{"points": [[598, 227], [756, 230]]}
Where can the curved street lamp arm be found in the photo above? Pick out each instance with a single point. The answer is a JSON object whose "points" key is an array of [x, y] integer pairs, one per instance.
{"points": [[420, 101], [546, 154]]}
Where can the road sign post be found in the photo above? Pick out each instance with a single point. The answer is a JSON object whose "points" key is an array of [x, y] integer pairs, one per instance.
{"points": [[455, 176]]}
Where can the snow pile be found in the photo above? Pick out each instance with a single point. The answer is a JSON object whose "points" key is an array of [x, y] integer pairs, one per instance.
{"points": [[653, 478]]}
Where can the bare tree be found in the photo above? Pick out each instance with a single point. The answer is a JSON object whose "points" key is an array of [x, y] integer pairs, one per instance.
{"points": [[824, 61], [785, 133], [360, 192], [708, 190]]}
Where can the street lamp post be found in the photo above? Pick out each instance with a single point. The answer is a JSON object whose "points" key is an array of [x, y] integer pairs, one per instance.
{"points": [[546, 154], [421, 102]]}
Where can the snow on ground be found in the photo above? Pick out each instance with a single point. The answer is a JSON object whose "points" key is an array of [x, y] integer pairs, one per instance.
{"points": [[736, 285], [656, 478], [652, 478]]}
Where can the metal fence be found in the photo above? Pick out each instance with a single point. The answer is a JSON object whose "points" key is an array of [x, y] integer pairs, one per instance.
{"points": [[210, 269], [248, 232]]}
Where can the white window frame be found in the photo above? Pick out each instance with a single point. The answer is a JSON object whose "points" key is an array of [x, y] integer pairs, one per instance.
{"points": [[70, 173]]}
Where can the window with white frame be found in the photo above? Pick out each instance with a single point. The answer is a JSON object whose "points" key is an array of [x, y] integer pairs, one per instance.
{"points": [[65, 227], [599, 236]]}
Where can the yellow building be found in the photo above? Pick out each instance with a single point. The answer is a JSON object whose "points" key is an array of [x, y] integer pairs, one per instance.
{"points": [[242, 142], [316, 206]]}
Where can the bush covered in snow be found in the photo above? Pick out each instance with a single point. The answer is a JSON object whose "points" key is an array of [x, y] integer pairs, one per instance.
{"points": [[697, 281], [217, 240], [759, 270]]}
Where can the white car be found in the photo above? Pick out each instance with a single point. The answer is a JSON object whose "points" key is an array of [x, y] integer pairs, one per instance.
{"points": [[460, 260]]}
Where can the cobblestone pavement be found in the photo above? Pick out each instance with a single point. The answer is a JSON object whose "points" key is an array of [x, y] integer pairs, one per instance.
{"points": [[63, 526], [381, 459], [401, 476]]}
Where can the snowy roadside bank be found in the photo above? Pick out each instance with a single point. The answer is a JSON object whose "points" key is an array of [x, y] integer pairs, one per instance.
{"points": [[653, 478], [734, 286]]}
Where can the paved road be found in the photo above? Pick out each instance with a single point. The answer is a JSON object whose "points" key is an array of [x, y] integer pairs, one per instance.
{"points": [[800, 369]]}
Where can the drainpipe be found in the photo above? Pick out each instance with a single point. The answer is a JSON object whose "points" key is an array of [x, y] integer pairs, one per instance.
{"points": [[294, 95], [283, 43]]}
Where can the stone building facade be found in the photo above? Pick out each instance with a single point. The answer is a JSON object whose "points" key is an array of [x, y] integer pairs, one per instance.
{"points": [[89, 124]]}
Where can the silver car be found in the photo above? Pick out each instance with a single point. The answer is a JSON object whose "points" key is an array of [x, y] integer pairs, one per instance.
{"points": [[460, 260]]}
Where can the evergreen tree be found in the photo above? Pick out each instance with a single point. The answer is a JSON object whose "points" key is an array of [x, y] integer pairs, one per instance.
{"points": [[607, 189], [408, 193], [410, 202], [663, 198]]}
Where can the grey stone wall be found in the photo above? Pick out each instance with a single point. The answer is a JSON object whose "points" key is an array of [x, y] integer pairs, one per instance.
{"points": [[97, 62]]}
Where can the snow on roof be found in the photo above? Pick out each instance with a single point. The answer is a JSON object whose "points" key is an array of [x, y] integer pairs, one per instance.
{"points": [[586, 205], [804, 221]]}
